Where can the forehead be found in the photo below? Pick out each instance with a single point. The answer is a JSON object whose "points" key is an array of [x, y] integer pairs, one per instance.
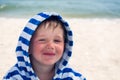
{"points": [[50, 26]]}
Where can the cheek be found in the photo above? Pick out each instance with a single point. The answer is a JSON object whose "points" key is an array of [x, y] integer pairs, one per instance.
{"points": [[60, 49], [35, 48]]}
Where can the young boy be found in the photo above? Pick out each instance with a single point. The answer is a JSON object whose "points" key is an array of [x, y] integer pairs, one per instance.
{"points": [[43, 50]]}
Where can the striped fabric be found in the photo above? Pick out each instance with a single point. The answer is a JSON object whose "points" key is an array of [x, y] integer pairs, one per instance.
{"points": [[22, 70]]}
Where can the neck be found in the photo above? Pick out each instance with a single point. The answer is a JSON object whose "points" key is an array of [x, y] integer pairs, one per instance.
{"points": [[44, 72]]}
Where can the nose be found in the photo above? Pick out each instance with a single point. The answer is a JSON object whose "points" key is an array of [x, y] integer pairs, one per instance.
{"points": [[50, 45]]}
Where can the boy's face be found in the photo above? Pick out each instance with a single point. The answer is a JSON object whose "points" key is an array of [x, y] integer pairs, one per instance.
{"points": [[47, 45]]}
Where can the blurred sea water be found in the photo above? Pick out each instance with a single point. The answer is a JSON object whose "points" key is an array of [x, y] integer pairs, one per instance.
{"points": [[67, 8]]}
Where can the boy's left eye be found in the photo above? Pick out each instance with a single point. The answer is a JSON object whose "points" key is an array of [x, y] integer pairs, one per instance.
{"points": [[57, 41]]}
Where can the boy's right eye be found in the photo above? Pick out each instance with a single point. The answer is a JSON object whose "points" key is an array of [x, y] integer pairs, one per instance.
{"points": [[41, 40]]}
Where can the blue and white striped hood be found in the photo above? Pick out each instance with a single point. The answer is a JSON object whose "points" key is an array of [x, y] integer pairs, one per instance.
{"points": [[23, 69]]}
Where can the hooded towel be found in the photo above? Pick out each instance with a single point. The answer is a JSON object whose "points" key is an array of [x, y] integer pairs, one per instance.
{"points": [[23, 70]]}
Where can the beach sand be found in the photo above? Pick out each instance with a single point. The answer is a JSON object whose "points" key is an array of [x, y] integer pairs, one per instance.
{"points": [[96, 51]]}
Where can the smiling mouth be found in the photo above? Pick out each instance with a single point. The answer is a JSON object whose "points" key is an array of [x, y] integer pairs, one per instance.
{"points": [[49, 54]]}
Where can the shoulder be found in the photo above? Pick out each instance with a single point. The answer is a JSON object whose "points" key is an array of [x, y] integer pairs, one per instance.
{"points": [[19, 73], [13, 74], [69, 72]]}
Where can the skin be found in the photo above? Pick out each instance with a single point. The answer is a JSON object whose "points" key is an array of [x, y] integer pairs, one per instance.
{"points": [[47, 46]]}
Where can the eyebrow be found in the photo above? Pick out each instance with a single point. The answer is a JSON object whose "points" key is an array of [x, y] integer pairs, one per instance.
{"points": [[56, 36]]}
